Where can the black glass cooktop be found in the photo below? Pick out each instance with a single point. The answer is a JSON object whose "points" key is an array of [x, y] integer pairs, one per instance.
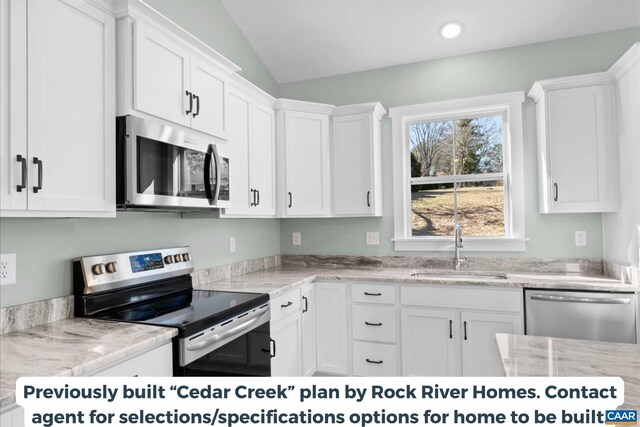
{"points": [[190, 311]]}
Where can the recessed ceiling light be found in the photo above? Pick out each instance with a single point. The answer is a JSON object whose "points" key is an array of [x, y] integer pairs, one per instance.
{"points": [[451, 30]]}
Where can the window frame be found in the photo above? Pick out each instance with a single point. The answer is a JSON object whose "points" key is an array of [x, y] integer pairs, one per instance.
{"points": [[509, 105]]}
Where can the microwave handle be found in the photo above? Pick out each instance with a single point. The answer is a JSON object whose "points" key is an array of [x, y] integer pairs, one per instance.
{"points": [[216, 159], [207, 175]]}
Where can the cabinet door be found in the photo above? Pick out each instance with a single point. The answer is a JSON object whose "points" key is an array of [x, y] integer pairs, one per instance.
{"points": [[161, 76], [262, 159], [331, 328], [71, 106], [239, 108], [352, 165], [580, 149], [307, 167], [13, 417], [308, 330], [480, 356], [13, 124], [286, 334], [154, 363], [209, 87], [428, 342]]}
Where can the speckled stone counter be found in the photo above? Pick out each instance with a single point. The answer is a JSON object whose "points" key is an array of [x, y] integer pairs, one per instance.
{"points": [[528, 356], [72, 347], [279, 280]]}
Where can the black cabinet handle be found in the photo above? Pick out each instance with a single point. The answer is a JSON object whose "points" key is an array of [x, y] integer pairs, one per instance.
{"points": [[190, 95], [197, 105], [290, 199], [258, 193], [377, 362], [372, 324], [450, 329], [289, 304], [369, 199], [274, 348], [253, 197], [465, 329], [372, 294], [38, 162], [23, 184], [555, 191], [306, 304]]}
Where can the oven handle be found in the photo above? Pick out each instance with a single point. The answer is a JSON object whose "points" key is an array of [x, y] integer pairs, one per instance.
{"points": [[247, 324]]}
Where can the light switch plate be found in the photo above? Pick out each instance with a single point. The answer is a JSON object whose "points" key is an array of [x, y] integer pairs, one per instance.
{"points": [[232, 244], [373, 238], [581, 238], [7, 269], [296, 238]]}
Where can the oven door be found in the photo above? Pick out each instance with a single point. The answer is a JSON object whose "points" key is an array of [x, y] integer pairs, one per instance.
{"points": [[241, 347], [168, 168]]}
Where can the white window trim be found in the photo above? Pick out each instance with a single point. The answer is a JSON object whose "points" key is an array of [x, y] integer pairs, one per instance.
{"points": [[511, 104]]}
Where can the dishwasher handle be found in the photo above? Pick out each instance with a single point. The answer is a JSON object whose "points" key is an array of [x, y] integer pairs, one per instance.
{"points": [[583, 300]]}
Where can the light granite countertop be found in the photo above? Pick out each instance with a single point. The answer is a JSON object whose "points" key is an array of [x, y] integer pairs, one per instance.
{"points": [[529, 356], [279, 280], [72, 347]]}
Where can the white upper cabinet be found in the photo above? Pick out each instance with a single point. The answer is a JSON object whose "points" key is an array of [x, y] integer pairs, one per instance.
{"points": [[576, 144], [166, 73], [356, 160], [251, 132], [58, 128], [303, 159]]}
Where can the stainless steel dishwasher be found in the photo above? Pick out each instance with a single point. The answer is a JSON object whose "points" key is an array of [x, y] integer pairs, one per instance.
{"points": [[598, 316]]}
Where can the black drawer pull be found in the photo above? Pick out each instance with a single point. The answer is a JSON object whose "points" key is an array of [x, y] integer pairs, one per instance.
{"points": [[555, 188], [368, 199], [286, 305], [451, 329], [306, 304], [376, 362], [290, 199], [373, 294], [372, 324], [465, 329]]}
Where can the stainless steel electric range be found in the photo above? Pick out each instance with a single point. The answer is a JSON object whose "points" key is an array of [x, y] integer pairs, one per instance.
{"points": [[219, 333]]}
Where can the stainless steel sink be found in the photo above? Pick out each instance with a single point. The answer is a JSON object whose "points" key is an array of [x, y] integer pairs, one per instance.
{"points": [[481, 275]]}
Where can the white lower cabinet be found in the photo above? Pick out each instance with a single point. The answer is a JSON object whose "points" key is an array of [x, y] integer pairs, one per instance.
{"points": [[154, 363], [331, 328], [308, 338], [13, 417], [286, 361], [374, 359], [428, 346]]}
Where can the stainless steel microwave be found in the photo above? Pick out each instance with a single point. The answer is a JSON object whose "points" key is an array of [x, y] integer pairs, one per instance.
{"points": [[158, 166]]}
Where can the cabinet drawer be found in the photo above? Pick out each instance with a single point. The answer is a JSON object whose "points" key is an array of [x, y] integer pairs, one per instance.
{"points": [[285, 304], [374, 360], [373, 293], [374, 323], [154, 363], [482, 298]]}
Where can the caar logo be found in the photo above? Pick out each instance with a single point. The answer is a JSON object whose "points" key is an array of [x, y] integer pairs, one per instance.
{"points": [[621, 417]]}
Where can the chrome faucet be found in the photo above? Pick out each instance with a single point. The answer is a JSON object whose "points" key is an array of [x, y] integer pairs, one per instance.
{"points": [[457, 261]]}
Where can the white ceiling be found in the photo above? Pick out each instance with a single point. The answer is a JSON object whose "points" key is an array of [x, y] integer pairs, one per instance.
{"points": [[304, 39]]}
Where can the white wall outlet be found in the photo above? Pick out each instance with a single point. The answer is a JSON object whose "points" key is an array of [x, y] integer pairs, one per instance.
{"points": [[581, 238], [296, 238], [8, 269], [373, 238], [232, 244]]}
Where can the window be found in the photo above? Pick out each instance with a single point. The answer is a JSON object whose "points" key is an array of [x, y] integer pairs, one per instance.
{"points": [[459, 162]]}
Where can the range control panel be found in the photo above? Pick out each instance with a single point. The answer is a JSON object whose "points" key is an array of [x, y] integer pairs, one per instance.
{"points": [[104, 272]]}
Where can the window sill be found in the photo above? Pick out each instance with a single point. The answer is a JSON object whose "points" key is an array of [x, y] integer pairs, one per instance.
{"points": [[471, 244]]}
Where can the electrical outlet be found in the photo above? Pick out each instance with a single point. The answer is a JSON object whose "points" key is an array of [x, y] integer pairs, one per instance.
{"points": [[373, 238], [232, 244], [581, 238], [7, 269], [296, 238]]}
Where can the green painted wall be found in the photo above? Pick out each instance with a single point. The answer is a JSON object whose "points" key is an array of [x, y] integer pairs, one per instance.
{"points": [[483, 73], [45, 247], [209, 21]]}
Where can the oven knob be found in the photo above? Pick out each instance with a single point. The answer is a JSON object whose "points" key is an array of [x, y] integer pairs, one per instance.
{"points": [[177, 258], [97, 269], [168, 259], [186, 257], [111, 267]]}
